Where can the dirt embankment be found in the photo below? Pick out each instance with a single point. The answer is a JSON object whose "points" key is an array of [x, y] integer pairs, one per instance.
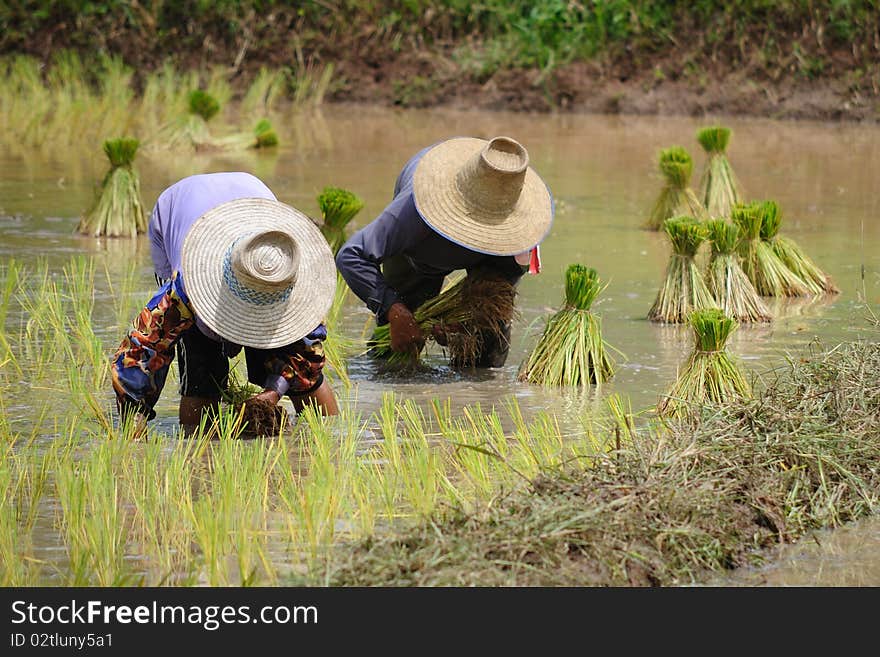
{"points": [[671, 84], [784, 66]]}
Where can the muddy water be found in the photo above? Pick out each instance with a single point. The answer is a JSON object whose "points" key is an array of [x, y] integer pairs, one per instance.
{"points": [[602, 171]]}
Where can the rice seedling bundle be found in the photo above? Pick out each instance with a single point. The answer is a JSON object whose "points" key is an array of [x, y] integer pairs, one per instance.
{"points": [[676, 198], [719, 188], [571, 351], [710, 375], [191, 130], [338, 207], [262, 136], [733, 291], [791, 254], [765, 269], [683, 289], [265, 135], [472, 308], [118, 211]]}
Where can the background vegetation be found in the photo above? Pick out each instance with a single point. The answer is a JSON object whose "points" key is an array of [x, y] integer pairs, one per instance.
{"points": [[460, 39]]}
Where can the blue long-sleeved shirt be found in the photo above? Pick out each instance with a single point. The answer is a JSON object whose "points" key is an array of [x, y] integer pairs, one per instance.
{"points": [[399, 229]]}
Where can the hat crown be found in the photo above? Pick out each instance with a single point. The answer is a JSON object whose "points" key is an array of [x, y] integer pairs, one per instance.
{"points": [[492, 180], [266, 261]]}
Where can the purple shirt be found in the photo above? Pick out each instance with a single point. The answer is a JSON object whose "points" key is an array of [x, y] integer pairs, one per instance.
{"points": [[180, 205]]}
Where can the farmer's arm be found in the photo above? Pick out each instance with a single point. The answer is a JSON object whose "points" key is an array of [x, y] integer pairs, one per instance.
{"points": [[297, 370], [397, 229], [140, 365]]}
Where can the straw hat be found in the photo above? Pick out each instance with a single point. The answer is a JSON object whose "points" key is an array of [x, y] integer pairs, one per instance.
{"points": [[258, 272], [483, 195]]}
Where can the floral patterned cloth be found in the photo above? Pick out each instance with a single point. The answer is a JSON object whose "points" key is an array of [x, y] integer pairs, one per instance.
{"points": [[140, 365]]}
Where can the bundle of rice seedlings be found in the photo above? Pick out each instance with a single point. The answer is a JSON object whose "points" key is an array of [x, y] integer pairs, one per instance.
{"points": [[472, 309], [710, 375], [791, 254], [265, 135], [191, 130], [338, 207], [765, 269], [683, 289], [719, 188], [117, 211], [733, 291], [262, 136], [676, 198], [571, 351]]}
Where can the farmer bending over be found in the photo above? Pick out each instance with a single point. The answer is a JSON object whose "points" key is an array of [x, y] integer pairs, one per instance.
{"points": [[463, 203], [236, 268]]}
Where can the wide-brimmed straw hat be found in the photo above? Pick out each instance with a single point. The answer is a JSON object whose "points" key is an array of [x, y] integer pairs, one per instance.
{"points": [[483, 195], [258, 272]]}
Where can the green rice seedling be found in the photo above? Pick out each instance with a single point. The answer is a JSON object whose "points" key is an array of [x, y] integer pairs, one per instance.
{"points": [[23, 474], [337, 346], [338, 207], [719, 189], [791, 254], [571, 350], [420, 468], [315, 502], [470, 309], [676, 198], [117, 212], [472, 464], [11, 272], [683, 289], [710, 375], [733, 291], [764, 268], [94, 520], [240, 475], [160, 491]]}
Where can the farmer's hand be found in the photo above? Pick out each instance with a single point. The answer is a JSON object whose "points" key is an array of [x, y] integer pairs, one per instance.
{"points": [[441, 332], [406, 336], [267, 397]]}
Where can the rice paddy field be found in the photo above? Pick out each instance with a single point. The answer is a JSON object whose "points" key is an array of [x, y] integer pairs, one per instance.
{"points": [[82, 505]]}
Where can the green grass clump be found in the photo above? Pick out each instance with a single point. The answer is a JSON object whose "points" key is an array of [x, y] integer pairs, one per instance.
{"points": [[683, 289], [468, 310], [733, 291], [791, 254], [117, 212], [709, 375], [571, 351], [676, 198], [338, 207], [719, 188], [765, 269]]}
